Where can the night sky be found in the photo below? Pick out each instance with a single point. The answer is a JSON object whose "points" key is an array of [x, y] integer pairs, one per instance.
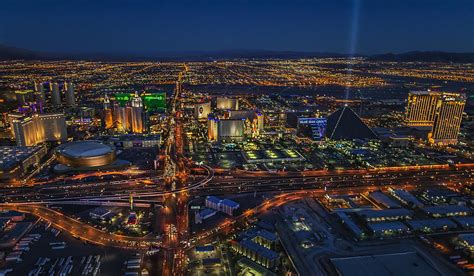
{"points": [[139, 26]]}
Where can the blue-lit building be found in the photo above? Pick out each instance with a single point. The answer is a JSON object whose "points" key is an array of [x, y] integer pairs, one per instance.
{"points": [[204, 214], [223, 205]]}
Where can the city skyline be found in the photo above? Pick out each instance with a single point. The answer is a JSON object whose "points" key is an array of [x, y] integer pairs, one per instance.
{"points": [[131, 144]]}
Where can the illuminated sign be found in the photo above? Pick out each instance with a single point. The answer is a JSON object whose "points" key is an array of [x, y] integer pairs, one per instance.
{"points": [[154, 101], [123, 98], [151, 101], [317, 126]]}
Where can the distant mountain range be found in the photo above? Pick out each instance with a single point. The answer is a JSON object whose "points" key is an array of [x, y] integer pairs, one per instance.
{"points": [[13, 53], [429, 56]]}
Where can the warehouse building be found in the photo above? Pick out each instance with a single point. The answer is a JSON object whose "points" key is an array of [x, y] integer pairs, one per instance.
{"points": [[222, 205], [447, 211], [464, 222], [15, 161], [256, 252], [385, 215], [382, 199], [390, 228], [431, 225], [406, 198]]}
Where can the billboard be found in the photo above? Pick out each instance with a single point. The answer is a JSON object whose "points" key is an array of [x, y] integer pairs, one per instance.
{"points": [[313, 127]]}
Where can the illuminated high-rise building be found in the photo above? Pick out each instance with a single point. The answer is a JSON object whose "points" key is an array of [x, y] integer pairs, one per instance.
{"points": [[23, 96], [226, 103], [55, 95], [230, 130], [421, 108], [106, 101], [39, 92], [441, 111], [136, 114], [38, 86], [260, 121], [108, 117], [447, 119], [25, 131], [122, 117], [212, 122], [39, 128], [69, 89]]}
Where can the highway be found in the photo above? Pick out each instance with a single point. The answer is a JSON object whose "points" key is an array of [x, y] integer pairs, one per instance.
{"points": [[88, 233], [284, 189], [80, 229]]}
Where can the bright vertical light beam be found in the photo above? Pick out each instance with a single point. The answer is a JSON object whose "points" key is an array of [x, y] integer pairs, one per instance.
{"points": [[353, 39]]}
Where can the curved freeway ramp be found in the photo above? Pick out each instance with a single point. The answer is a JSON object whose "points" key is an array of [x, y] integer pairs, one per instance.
{"points": [[82, 230]]}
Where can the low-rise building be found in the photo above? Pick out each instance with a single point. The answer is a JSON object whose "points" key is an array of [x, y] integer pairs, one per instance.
{"points": [[15, 161], [391, 228], [431, 225], [447, 211], [204, 214], [100, 213], [272, 155], [223, 205], [136, 141], [228, 206], [256, 252], [205, 249], [262, 237], [385, 215], [406, 198], [467, 241], [438, 195], [382, 199], [465, 222], [350, 224]]}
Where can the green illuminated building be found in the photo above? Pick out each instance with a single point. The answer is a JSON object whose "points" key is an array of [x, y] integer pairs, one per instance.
{"points": [[154, 101], [151, 101]]}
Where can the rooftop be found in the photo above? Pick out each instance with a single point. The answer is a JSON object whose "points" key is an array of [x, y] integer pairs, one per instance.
{"points": [[407, 263], [11, 156], [205, 248], [206, 212], [433, 224], [265, 234], [349, 223], [213, 199], [272, 155], [230, 203], [408, 197], [468, 238], [260, 250], [88, 148], [466, 222], [383, 199], [447, 209], [381, 227], [385, 213]]}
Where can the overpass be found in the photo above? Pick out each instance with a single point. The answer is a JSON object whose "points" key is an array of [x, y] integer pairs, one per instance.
{"points": [[82, 230]]}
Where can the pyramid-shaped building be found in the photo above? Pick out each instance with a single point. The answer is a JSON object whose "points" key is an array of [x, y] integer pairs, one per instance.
{"points": [[345, 124]]}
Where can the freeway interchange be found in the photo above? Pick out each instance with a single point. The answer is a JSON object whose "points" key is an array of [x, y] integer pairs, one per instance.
{"points": [[230, 184], [282, 188]]}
